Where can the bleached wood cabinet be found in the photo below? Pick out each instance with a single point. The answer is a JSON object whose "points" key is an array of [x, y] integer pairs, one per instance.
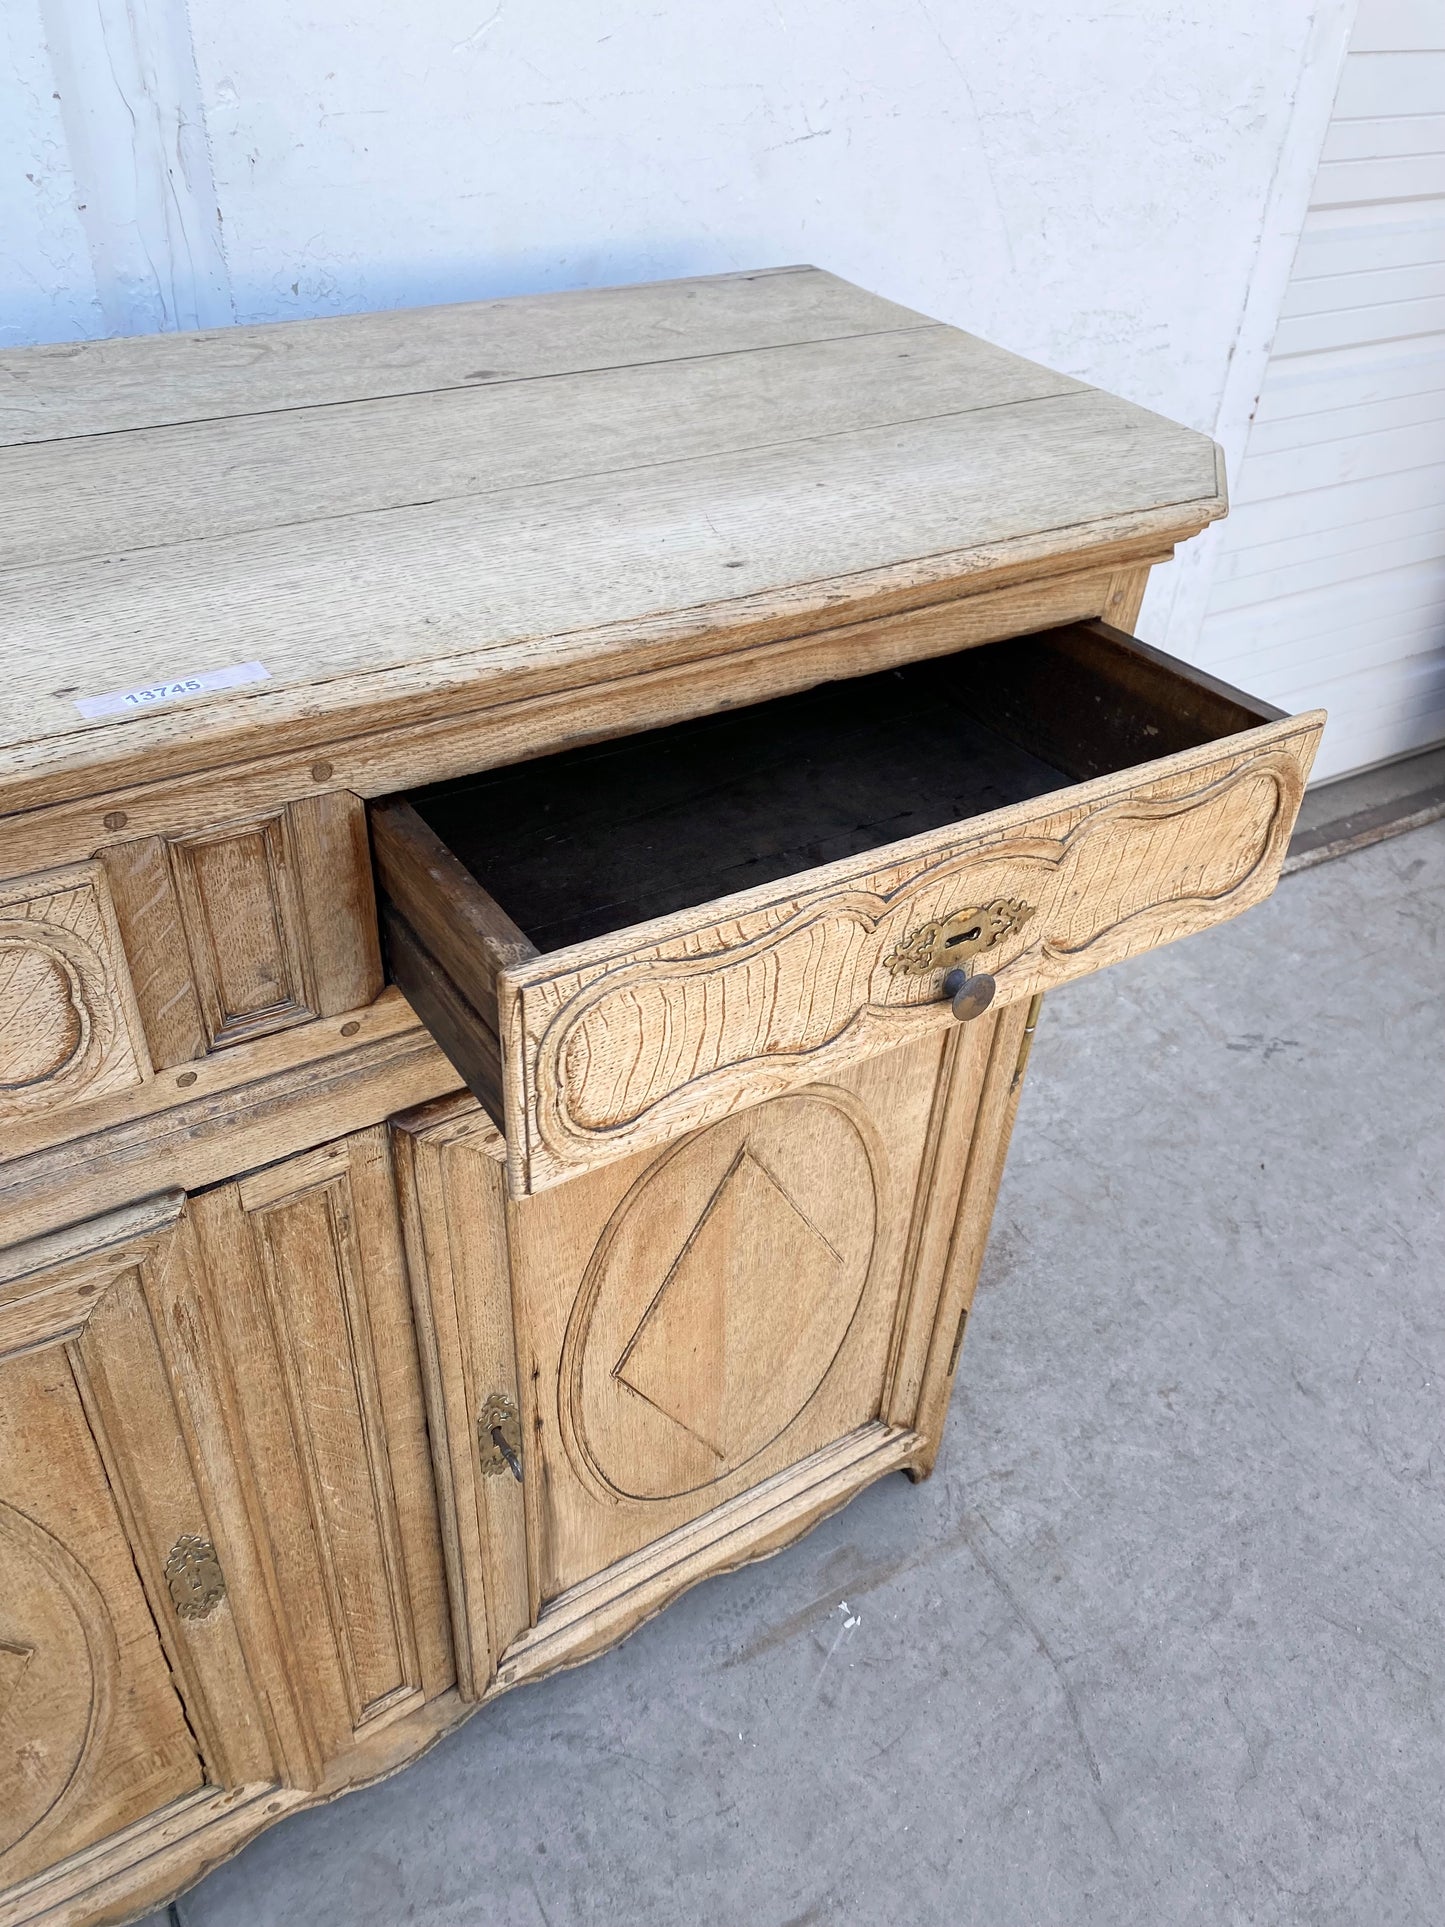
{"points": [[525, 895]]}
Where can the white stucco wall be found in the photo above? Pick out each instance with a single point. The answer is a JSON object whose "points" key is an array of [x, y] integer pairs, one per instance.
{"points": [[47, 287], [1112, 186]]}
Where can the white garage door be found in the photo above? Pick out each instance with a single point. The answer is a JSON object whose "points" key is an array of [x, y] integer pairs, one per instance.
{"points": [[1331, 581]]}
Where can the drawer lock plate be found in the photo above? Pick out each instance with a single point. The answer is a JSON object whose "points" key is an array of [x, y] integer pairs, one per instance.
{"points": [[950, 941]]}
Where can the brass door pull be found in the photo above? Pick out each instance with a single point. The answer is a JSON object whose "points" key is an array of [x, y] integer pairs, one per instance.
{"points": [[970, 996]]}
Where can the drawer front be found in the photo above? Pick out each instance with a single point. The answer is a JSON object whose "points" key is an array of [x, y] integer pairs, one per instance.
{"points": [[631, 1039]]}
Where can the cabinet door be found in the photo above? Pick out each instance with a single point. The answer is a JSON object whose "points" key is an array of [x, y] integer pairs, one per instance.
{"points": [[308, 1288], [691, 1355], [112, 1585]]}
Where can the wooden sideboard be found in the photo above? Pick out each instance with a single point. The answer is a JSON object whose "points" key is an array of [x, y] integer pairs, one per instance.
{"points": [[532, 838]]}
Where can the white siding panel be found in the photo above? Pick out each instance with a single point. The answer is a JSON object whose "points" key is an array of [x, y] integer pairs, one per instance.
{"points": [[1394, 26], [1323, 511], [1365, 532], [1373, 140], [1364, 653], [1376, 548], [1401, 602], [1349, 376], [1411, 689], [1402, 178], [1305, 334], [1404, 601], [1367, 286], [1341, 554], [1377, 84], [1346, 244], [1330, 587], [1336, 424], [1350, 458]]}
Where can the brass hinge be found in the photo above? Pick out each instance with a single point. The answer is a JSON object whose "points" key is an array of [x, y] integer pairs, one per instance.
{"points": [[1026, 1042], [194, 1577], [499, 1437]]}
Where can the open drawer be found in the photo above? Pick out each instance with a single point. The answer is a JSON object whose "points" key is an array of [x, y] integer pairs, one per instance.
{"points": [[622, 942]]}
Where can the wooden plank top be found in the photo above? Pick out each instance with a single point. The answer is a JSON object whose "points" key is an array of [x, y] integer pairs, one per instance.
{"points": [[376, 506]]}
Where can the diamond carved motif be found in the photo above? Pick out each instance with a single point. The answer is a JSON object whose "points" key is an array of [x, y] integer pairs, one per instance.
{"points": [[718, 1301], [734, 1321]]}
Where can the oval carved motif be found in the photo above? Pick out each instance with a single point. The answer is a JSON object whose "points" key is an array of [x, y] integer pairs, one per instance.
{"points": [[719, 1297], [56, 1664]]}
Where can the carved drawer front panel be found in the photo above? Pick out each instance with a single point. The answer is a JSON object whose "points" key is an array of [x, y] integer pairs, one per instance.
{"points": [[69, 1028], [309, 1289], [618, 1044], [697, 1343], [249, 927], [573, 933], [101, 1620]]}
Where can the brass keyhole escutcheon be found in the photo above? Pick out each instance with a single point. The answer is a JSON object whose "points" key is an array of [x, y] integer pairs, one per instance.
{"points": [[499, 1437], [194, 1578], [953, 940]]}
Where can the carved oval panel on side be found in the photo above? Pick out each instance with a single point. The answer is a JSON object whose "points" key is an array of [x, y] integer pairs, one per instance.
{"points": [[719, 1297], [68, 1028], [44, 1018], [688, 1028], [57, 1662]]}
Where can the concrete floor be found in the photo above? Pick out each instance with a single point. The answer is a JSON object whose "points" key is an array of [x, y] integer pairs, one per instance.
{"points": [[1162, 1640]]}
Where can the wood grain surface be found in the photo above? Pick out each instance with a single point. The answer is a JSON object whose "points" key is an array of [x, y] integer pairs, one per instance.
{"points": [[229, 1113], [306, 1283], [534, 699], [70, 1029], [642, 456]]}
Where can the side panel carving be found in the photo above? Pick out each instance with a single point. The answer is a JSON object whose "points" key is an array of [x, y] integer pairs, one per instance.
{"points": [[59, 1670], [69, 1028], [248, 927], [241, 906]]}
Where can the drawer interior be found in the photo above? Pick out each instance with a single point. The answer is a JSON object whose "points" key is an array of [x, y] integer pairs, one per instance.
{"points": [[579, 844]]}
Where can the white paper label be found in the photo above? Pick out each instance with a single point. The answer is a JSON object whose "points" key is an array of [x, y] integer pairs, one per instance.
{"points": [[174, 689]]}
